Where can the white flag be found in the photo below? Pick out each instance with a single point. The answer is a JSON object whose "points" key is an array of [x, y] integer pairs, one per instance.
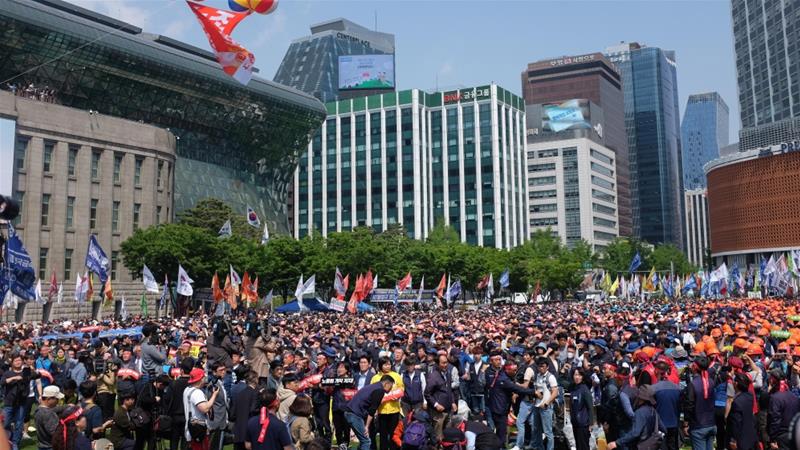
{"points": [[298, 291], [225, 231], [490, 287], [447, 293], [265, 235], [268, 299], [78, 286], [38, 291], [235, 280], [10, 301], [421, 287], [252, 217], [123, 310], [60, 295], [184, 282], [310, 286], [150, 283], [375, 282], [220, 310]]}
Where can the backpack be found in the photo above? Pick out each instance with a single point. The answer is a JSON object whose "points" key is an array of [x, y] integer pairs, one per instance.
{"points": [[415, 435]]}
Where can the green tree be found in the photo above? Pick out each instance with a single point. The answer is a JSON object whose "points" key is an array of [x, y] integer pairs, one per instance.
{"points": [[620, 252], [210, 214], [665, 254]]}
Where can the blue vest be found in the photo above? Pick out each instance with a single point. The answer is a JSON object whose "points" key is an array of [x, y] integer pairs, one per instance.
{"points": [[413, 389]]}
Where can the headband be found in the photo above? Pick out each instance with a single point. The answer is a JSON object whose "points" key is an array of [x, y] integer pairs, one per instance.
{"points": [[70, 418]]}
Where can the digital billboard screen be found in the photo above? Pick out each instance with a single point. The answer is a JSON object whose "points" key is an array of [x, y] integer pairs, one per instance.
{"points": [[366, 72], [566, 115]]}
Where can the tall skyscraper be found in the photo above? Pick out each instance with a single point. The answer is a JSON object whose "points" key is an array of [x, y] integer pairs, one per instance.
{"points": [[594, 81], [765, 35], [650, 86], [312, 62], [704, 131]]}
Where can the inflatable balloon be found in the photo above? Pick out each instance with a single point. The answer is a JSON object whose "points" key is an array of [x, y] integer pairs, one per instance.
{"points": [[780, 334], [392, 395], [238, 5], [259, 6], [128, 374], [45, 374], [794, 318], [309, 381]]}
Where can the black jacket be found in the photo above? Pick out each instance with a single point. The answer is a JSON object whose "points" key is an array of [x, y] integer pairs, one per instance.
{"points": [[438, 388], [742, 422], [782, 408], [245, 407], [499, 388], [173, 397]]}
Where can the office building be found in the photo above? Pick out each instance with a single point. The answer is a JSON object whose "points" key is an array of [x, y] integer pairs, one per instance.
{"points": [[417, 158], [650, 86], [704, 131], [594, 83], [752, 203], [237, 143], [312, 63], [572, 190], [696, 222]]}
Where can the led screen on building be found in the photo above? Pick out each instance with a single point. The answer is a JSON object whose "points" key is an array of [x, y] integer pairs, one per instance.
{"points": [[7, 139], [366, 72], [566, 115]]}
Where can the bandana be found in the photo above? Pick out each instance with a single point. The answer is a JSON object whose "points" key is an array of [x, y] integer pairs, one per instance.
{"points": [[70, 418]]}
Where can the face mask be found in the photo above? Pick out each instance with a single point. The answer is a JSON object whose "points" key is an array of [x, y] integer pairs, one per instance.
{"points": [[570, 355]]}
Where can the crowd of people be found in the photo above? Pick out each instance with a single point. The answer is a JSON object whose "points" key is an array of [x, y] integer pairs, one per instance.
{"points": [[621, 374], [33, 92]]}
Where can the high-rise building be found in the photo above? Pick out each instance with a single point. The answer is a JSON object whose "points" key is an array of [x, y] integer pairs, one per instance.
{"points": [[572, 190], [765, 36], [697, 234], [593, 79], [704, 131], [312, 64], [650, 86], [416, 159], [236, 143]]}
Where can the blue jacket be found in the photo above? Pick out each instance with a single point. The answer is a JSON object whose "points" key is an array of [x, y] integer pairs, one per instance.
{"points": [[667, 396], [582, 403], [699, 409], [366, 401], [644, 424], [499, 388], [413, 388]]}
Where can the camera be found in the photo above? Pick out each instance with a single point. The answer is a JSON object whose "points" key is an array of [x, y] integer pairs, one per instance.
{"points": [[9, 208], [220, 328]]}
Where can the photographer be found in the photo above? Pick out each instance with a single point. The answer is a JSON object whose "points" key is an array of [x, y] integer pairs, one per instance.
{"points": [[197, 407], [107, 387], [218, 420], [152, 358]]}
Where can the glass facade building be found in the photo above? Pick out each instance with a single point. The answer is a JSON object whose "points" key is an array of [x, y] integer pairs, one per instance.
{"points": [[649, 80], [236, 143], [704, 131], [312, 62], [417, 158]]}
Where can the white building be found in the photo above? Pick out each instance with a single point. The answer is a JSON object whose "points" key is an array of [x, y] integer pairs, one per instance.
{"points": [[572, 189], [696, 220]]}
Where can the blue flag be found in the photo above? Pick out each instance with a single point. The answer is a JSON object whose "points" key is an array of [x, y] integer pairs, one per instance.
{"points": [[19, 275], [761, 270], [668, 287], [96, 259], [635, 263], [691, 284], [454, 291], [503, 280]]}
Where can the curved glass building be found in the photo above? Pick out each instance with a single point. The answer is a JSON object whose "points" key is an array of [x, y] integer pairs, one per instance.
{"points": [[236, 143]]}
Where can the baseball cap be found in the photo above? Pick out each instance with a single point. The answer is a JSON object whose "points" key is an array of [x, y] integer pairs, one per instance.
{"points": [[52, 391]]}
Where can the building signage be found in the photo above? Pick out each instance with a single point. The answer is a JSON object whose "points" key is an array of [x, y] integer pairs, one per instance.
{"points": [[572, 60], [409, 296], [466, 95], [786, 147], [347, 37]]}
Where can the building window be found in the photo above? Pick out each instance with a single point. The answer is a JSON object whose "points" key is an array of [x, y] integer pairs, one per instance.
{"points": [[158, 214], [549, 207], [604, 236], [117, 168], [543, 194], [136, 209], [49, 146], [137, 172], [541, 167], [45, 209], [70, 211], [600, 195], [73, 156], [602, 170], [548, 153], [67, 264], [19, 152], [540, 181], [601, 157], [19, 197], [93, 214], [95, 165], [42, 263], [115, 217], [604, 222], [597, 181], [158, 175], [114, 257], [544, 222], [603, 209]]}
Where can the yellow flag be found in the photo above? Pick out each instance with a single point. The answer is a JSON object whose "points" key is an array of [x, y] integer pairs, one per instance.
{"points": [[606, 284], [648, 283], [614, 286]]}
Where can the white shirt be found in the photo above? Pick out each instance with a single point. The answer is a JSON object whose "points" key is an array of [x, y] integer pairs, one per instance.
{"points": [[191, 398]]}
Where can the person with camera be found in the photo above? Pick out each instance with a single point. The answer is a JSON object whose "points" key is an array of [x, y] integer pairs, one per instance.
{"points": [[172, 405], [218, 420], [16, 383], [198, 407], [107, 387], [152, 357], [524, 377], [546, 393]]}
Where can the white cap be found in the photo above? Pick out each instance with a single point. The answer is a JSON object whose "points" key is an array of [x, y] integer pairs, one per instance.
{"points": [[52, 391]]}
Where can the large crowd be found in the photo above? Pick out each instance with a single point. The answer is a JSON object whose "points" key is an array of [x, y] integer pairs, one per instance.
{"points": [[621, 374]]}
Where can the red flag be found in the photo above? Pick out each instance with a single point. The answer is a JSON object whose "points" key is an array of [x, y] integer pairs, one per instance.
{"points": [[346, 282], [442, 286], [355, 297], [53, 287], [367, 288], [218, 24], [483, 283], [404, 283], [537, 291], [108, 292], [247, 289], [230, 293], [90, 292], [216, 293]]}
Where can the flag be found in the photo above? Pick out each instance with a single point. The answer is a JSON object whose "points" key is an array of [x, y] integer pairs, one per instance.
{"points": [[454, 291], [123, 310], [504, 282], [108, 291], [162, 302], [668, 287], [218, 25], [691, 285], [490, 287], [219, 309], [482, 283], [252, 217], [346, 283], [796, 262], [53, 287], [421, 288], [338, 284], [625, 288], [249, 289], [441, 287], [403, 283], [648, 282], [89, 286], [143, 306], [254, 290], [303, 288], [265, 235], [537, 291], [310, 286], [79, 295], [150, 284], [225, 231], [447, 294], [229, 293], [184, 283], [762, 268], [656, 281], [235, 280], [370, 285], [20, 276], [216, 292], [60, 295], [374, 281], [614, 286], [268, 299], [606, 283], [38, 292], [635, 262], [96, 259], [352, 305]]}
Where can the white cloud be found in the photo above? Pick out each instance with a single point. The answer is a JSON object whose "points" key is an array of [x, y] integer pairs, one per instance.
{"points": [[275, 24]]}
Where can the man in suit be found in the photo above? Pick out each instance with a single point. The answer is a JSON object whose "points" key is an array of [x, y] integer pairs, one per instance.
{"points": [[439, 395]]}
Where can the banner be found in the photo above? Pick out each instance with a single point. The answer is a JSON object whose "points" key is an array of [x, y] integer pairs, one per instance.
{"points": [[96, 259], [218, 24], [184, 283], [20, 275], [150, 283], [338, 305]]}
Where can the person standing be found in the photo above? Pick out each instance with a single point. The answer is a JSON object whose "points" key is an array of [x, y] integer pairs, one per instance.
{"points": [[581, 409], [698, 409], [152, 357], [173, 405], [218, 421], [361, 409], [783, 406], [197, 407], [546, 391], [47, 416], [340, 425], [741, 420], [439, 395], [122, 429], [245, 407], [389, 411], [265, 431], [415, 383], [645, 421], [16, 383], [524, 377], [667, 395], [499, 388], [300, 427]]}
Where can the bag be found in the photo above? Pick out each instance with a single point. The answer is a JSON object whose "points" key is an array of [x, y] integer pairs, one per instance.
{"points": [[415, 435], [198, 430], [139, 417], [560, 442], [163, 424], [654, 441]]}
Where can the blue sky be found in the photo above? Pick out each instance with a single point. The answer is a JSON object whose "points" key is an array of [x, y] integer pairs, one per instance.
{"points": [[470, 42]]}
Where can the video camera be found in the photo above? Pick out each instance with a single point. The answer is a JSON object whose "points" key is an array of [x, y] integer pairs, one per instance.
{"points": [[220, 328]]}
